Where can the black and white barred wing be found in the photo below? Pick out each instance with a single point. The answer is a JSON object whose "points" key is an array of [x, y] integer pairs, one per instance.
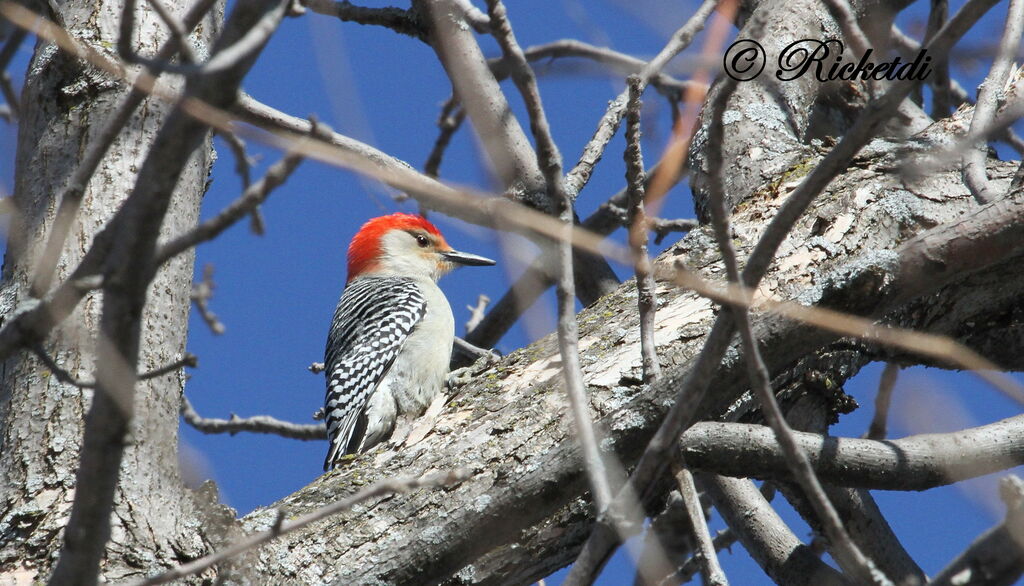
{"points": [[374, 318]]}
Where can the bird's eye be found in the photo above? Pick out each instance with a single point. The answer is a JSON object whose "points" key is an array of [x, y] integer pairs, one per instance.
{"points": [[422, 240]]}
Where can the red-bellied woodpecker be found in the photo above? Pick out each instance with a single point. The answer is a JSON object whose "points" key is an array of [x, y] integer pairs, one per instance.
{"points": [[391, 339]]}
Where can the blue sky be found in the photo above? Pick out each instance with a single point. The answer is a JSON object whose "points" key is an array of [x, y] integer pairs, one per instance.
{"points": [[276, 293]]}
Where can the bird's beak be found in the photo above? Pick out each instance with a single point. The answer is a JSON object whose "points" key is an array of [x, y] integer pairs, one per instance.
{"points": [[464, 258]]}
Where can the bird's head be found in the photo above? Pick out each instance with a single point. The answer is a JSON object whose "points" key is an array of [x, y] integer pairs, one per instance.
{"points": [[404, 245]]}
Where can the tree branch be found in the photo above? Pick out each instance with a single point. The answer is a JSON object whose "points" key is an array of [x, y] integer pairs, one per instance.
{"points": [[257, 424], [765, 535], [282, 527], [996, 556], [917, 462], [974, 167], [593, 151], [405, 22]]}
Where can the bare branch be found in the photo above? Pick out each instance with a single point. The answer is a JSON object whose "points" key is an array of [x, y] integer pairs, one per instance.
{"points": [[11, 47], [619, 62], [406, 22], [592, 152], [62, 375], [13, 105], [476, 312], [535, 279], [974, 170], [282, 527], [883, 399], [995, 557], [918, 462], [257, 424], [474, 352], [202, 292], [662, 228], [504, 142], [724, 539], [941, 84], [766, 537], [247, 203], [449, 121], [647, 299], [188, 360], [243, 166], [704, 552]]}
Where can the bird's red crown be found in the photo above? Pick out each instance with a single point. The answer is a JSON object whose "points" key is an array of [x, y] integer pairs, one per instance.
{"points": [[364, 251]]}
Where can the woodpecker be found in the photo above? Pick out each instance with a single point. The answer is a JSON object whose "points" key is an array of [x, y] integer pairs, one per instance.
{"points": [[391, 338]]}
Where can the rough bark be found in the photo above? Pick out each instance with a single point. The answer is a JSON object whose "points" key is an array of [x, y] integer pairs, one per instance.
{"points": [[510, 424], [156, 520]]}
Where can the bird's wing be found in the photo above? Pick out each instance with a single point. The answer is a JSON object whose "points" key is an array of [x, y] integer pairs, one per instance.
{"points": [[373, 320]]}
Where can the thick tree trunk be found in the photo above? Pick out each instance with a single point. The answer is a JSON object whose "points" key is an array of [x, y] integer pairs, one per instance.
{"points": [[66, 103]]}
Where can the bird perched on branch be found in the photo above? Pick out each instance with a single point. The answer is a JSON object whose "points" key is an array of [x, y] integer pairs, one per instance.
{"points": [[391, 338]]}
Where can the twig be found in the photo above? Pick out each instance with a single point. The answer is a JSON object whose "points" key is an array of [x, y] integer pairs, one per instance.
{"points": [[647, 298], [704, 552], [592, 152], [243, 167], [11, 47], [662, 228], [11, 97], [382, 488], [474, 352], [550, 162], [62, 375], [449, 121], [188, 360], [974, 168], [406, 22], [257, 424], [941, 101], [202, 292], [243, 162], [883, 399], [722, 540], [476, 312], [626, 64], [251, 198]]}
